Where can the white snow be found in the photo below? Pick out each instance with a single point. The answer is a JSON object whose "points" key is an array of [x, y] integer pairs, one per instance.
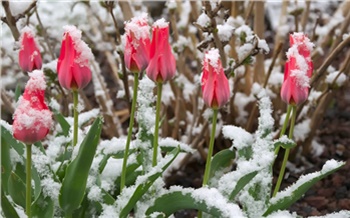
{"points": [[339, 81], [203, 20], [172, 143], [244, 50], [36, 81], [211, 58], [225, 31], [302, 129], [138, 27], [238, 135], [19, 6], [161, 23], [327, 167]]}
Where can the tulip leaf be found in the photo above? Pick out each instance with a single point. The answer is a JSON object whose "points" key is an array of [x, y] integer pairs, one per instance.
{"points": [[285, 199], [7, 207], [221, 160], [131, 175], [187, 198], [142, 188], [63, 123], [18, 92], [175, 201], [18, 146], [6, 167], [43, 207], [284, 142], [241, 183], [74, 183], [40, 146], [17, 189], [37, 183]]}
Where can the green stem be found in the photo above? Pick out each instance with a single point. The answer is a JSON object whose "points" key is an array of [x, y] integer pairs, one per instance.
{"points": [[75, 111], [211, 147], [131, 125], [286, 121], [286, 154], [29, 181], [156, 127], [210, 154]]}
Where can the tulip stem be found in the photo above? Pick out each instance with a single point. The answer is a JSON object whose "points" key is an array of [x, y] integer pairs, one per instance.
{"points": [[29, 180], [75, 111], [210, 153], [131, 125], [286, 121], [156, 127], [211, 147], [286, 153]]}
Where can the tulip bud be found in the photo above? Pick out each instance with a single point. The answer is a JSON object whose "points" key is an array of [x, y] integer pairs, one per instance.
{"points": [[162, 65], [32, 118], [136, 55], [298, 70], [73, 63], [29, 56], [215, 87]]}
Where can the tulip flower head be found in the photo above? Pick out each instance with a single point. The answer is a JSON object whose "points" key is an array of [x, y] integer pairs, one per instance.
{"points": [[32, 118], [162, 65], [73, 63], [215, 87], [298, 70], [29, 54], [136, 55]]}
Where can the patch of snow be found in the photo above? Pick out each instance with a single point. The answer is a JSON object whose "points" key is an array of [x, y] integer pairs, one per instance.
{"points": [[340, 80], [301, 130], [203, 20]]}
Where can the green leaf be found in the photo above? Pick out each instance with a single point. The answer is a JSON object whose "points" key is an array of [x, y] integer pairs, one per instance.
{"points": [[241, 183], [63, 123], [142, 188], [37, 183], [43, 207], [18, 92], [221, 160], [40, 146], [6, 167], [176, 200], [245, 152], [131, 176], [7, 207], [284, 142], [17, 189], [299, 188], [7, 136], [74, 183]]}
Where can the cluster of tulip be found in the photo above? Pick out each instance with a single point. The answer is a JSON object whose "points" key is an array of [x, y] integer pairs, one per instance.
{"points": [[153, 54]]}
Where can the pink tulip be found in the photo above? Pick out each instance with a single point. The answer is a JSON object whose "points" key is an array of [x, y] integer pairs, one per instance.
{"points": [[298, 70], [162, 65], [32, 118], [136, 55], [215, 87], [29, 55], [73, 63]]}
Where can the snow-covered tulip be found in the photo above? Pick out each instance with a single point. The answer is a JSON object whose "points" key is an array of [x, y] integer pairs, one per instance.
{"points": [[32, 118], [29, 55], [298, 70], [137, 45], [73, 63], [215, 87], [162, 65]]}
